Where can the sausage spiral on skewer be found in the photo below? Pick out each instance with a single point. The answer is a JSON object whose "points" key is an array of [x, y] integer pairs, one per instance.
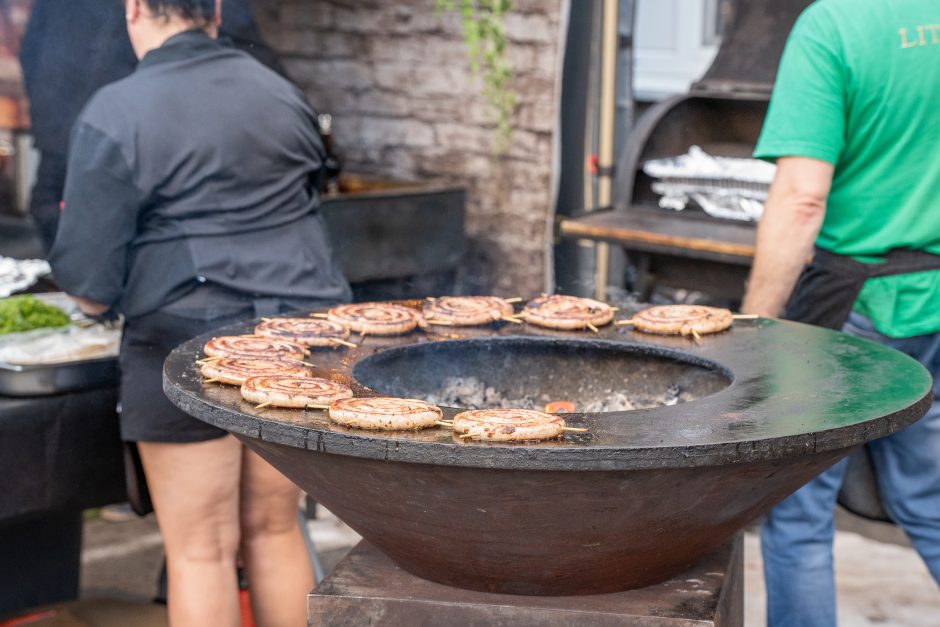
{"points": [[235, 371], [682, 320], [291, 391], [567, 312], [376, 318], [467, 310], [307, 331], [384, 413], [249, 347], [508, 425]]}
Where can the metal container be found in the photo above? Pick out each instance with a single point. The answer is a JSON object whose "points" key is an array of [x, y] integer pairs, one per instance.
{"points": [[58, 378], [45, 379]]}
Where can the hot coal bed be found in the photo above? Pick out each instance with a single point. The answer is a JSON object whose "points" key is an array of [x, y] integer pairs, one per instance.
{"points": [[522, 374], [720, 432]]}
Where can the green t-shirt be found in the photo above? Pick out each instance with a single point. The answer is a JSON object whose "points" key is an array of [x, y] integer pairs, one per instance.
{"points": [[859, 87]]}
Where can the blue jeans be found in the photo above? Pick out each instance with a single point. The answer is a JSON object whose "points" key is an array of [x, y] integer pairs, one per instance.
{"points": [[796, 536]]}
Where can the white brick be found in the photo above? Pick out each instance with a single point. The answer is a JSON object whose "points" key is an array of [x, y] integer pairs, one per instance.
{"points": [[442, 80], [463, 137], [357, 20], [394, 77], [395, 132], [537, 114], [530, 27], [386, 103]]}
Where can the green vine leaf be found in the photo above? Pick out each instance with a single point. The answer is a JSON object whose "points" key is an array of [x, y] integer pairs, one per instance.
{"points": [[484, 34]]}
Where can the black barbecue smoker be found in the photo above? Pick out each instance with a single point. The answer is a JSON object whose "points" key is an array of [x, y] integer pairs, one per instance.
{"points": [[722, 113]]}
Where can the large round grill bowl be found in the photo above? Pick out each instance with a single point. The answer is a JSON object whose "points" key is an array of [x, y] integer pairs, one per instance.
{"points": [[754, 413]]}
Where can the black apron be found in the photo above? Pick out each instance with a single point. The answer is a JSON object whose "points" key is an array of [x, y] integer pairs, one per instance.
{"points": [[824, 296], [830, 285]]}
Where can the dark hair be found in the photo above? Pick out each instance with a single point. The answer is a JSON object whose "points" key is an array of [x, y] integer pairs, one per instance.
{"points": [[199, 11]]}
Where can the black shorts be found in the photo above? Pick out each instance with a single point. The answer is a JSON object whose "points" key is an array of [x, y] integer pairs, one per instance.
{"points": [[146, 413]]}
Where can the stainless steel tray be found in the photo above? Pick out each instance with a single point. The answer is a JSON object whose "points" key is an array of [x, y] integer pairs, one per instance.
{"points": [[46, 379], [43, 379]]}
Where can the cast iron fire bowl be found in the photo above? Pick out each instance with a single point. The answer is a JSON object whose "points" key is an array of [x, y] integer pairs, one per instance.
{"points": [[636, 500]]}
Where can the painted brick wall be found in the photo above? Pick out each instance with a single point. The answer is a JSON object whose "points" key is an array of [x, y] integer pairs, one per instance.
{"points": [[396, 78]]}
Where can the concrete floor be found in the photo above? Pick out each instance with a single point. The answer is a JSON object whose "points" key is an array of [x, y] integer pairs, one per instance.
{"points": [[881, 581], [883, 584]]}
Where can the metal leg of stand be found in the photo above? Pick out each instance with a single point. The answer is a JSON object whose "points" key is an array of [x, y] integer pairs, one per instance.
{"points": [[318, 573]]}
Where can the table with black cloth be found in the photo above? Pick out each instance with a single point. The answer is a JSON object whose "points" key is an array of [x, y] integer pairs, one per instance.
{"points": [[58, 456]]}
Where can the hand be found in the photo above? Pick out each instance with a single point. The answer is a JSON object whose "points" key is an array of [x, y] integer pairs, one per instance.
{"points": [[90, 307]]}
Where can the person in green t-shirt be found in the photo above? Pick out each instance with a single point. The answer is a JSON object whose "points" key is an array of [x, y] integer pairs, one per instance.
{"points": [[854, 127]]}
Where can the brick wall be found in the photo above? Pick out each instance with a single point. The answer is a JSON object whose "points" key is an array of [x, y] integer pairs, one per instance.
{"points": [[396, 78]]}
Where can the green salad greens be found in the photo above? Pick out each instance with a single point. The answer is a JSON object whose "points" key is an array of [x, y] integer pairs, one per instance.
{"points": [[25, 313]]}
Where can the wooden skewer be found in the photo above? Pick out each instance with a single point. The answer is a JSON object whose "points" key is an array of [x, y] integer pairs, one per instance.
{"points": [[262, 405], [299, 361], [576, 429], [465, 436], [624, 323], [319, 315], [430, 298], [445, 424], [592, 327], [207, 359], [210, 380], [745, 317], [696, 337], [508, 318], [441, 323], [514, 299], [343, 342], [317, 406]]}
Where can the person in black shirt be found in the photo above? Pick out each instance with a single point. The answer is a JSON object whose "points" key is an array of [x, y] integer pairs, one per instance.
{"points": [[190, 202], [72, 48]]}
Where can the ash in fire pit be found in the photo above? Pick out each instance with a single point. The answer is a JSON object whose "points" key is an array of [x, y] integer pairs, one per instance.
{"points": [[472, 393], [529, 373]]}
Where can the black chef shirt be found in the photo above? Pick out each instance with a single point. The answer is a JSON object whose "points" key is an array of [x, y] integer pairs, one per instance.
{"points": [[72, 48], [200, 167]]}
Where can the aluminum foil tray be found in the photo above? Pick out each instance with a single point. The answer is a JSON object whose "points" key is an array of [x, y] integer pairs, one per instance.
{"points": [[29, 375]]}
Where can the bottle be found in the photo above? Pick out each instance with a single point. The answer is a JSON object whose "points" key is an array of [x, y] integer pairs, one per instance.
{"points": [[332, 164]]}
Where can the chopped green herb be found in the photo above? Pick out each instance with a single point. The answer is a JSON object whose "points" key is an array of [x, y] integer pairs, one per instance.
{"points": [[25, 313]]}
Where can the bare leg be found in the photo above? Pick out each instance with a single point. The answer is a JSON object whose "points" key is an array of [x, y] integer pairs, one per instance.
{"points": [[276, 560], [194, 488]]}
